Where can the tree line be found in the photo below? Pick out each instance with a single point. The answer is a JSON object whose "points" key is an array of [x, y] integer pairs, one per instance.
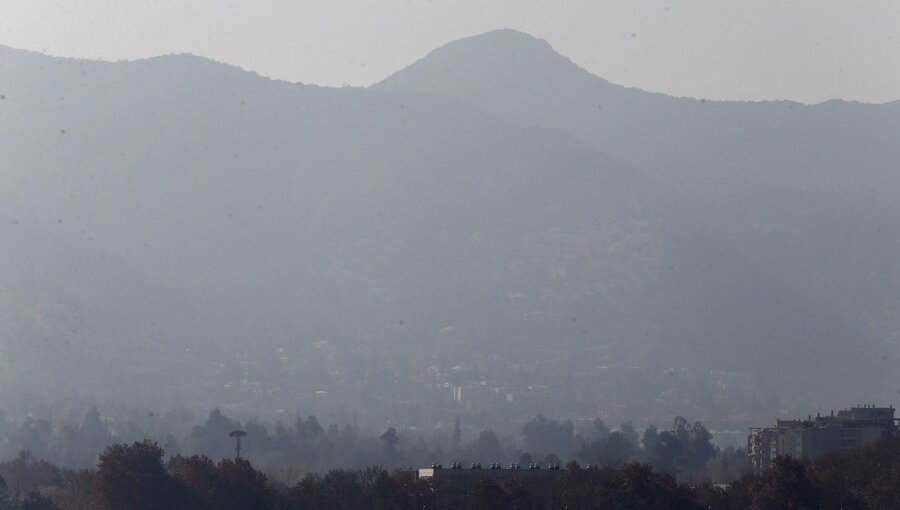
{"points": [[289, 451], [138, 476]]}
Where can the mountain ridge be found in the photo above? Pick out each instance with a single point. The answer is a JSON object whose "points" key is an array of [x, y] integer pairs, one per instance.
{"points": [[514, 42], [538, 43], [693, 140]]}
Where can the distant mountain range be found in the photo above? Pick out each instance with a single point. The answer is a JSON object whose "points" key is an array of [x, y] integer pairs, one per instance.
{"points": [[179, 228]]}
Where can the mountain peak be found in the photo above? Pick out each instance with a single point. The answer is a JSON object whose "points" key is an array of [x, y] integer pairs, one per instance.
{"points": [[506, 38], [504, 53]]}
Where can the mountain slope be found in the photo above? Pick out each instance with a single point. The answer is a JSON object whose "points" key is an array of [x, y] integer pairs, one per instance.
{"points": [[307, 239], [700, 145], [806, 194]]}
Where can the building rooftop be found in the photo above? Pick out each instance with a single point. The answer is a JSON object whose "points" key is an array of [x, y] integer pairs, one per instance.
{"points": [[495, 470]]}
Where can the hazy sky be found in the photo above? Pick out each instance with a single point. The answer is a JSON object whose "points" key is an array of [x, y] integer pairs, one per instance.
{"points": [[806, 50]]}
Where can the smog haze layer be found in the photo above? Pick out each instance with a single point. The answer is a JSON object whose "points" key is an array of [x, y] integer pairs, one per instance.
{"points": [[492, 231]]}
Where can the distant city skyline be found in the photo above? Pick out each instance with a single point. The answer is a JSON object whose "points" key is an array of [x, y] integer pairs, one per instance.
{"points": [[804, 50]]}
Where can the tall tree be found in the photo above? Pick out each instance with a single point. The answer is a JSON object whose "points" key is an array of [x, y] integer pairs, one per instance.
{"points": [[132, 477], [787, 485], [389, 440]]}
